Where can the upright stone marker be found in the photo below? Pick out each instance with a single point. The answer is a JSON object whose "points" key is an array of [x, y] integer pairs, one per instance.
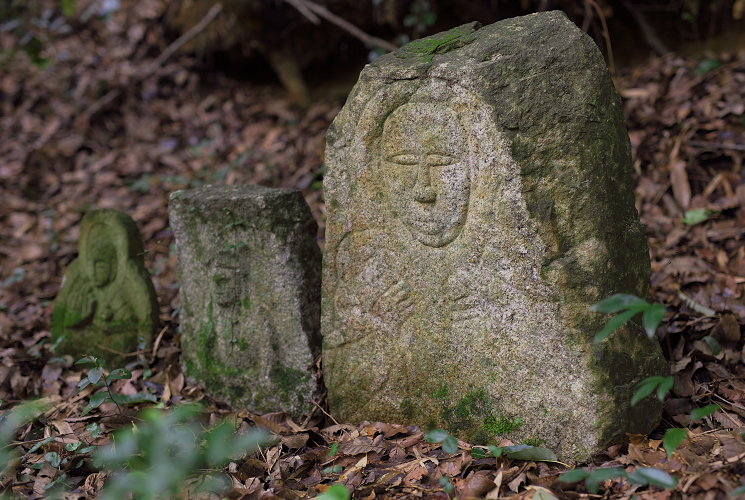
{"points": [[250, 294], [479, 202], [107, 303]]}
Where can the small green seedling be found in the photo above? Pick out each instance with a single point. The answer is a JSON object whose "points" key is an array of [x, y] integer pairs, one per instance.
{"points": [[449, 443], [642, 476], [334, 449], [707, 65], [95, 377], [10, 421], [156, 458], [659, 384], [697, 216], [737, 492], [631, 305], [447, 485], [335, 492], [335, 469], [517, 452], [676, 435]]}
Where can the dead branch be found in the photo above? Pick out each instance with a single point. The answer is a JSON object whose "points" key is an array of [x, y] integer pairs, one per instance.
{"points": [[371, 41], [716, 145], [647, 32], [606, 35], [184, 39], [82, 120], [304, 10], [587, 18]]}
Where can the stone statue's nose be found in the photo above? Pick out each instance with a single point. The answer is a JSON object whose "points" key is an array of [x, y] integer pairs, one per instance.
{"points": [[423, 192]]}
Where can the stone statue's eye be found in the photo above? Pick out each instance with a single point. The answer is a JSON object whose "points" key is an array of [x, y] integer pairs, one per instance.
{"points": [[440, 160], [404, 159]]}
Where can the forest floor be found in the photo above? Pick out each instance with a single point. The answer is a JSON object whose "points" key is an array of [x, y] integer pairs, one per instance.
{"points": [[98, 124]]}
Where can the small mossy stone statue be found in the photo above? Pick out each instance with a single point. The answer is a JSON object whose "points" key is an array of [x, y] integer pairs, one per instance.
{"points": [[107, 306], [250, 272]]}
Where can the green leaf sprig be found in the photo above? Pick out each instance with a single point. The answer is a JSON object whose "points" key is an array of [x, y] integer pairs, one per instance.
{"points": [[631, 305]]}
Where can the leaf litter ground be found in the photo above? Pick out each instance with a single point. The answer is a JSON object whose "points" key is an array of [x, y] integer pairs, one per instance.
{"points": [[99, 126]]}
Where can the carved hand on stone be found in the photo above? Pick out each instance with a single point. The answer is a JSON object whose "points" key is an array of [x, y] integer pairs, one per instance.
{"points": [[81, 306], [462, 297], [464, 307], [395, 304], [115, 314]]}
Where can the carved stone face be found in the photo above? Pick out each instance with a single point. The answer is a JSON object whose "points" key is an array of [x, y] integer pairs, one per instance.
{"points": [[104, 263], [426, 176], [102, 270], [227, 276]]}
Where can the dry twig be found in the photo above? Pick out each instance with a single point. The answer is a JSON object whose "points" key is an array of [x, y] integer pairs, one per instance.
{"points": [[306, 6], [606, 35], [648, 33], [83, 119], [183, 40]]}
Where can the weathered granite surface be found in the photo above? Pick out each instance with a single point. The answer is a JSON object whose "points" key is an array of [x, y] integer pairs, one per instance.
{"points": [[250, 273], [107, 303], [479, 201]]}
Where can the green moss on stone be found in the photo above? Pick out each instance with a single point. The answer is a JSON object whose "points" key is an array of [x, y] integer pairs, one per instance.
{"points": [[408, 409], [473, 418], [442, 392], [440, 43], [502, 425], [287, 379], [534, 441]]}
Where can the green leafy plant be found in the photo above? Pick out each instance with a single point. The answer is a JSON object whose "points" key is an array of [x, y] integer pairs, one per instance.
{"points": [[449, 443], [486, 451], [516, 452], [335, 492], [447, 485], [697, 216], [10, 421], [628, 306], [334, 449], [156, 458], [642, 476], [68, 7], [704, 412], [675, 436], [713, 345], [737, 492], [96, 376], [658, 384], [707, 65]]}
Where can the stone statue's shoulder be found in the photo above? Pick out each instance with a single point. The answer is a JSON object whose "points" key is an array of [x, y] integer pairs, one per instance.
{"points": [[140, 291], [374, 238]]}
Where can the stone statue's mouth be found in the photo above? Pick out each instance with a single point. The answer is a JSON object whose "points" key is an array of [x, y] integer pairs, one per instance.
{"points": [[431, 225], [427, 226]]}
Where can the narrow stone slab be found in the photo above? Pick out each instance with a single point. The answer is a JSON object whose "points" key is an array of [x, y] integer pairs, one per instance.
{"points": [[479, 201], [107, 305], [250, 273]]}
